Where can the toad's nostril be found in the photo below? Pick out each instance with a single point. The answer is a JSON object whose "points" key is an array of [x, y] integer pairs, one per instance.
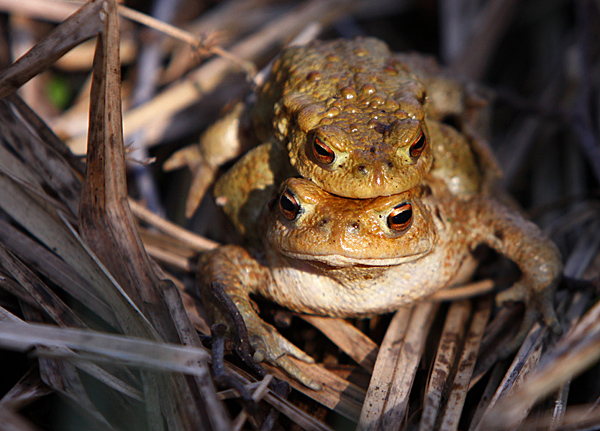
{"points": [[378, 178], [353, 226], [362, 169]]}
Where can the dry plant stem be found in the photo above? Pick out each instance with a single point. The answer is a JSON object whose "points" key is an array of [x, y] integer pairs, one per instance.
{"points": [[103, 347], [583, 124], [185, 36], [485, 34], [42, 296], [463, 292], [158, 25], [336, 394], [229, 394], [188, 336], [387, 398], [577, 418], [574, 353], [348, 338], [149, 66], [396, 406], [498, 332], [169, 259], [466, 365], [560, 406], [227, 21], [444, 363], [82, 25], [195, 242], [104, 218], [49, 10], [274, 397], [383, 372], [35, 192], [28, 389], [493, 382], [42, 222], [26, 135], [299, 417], [524, 363], [46, 136], [108, 226], [22, 31], [258, 394], [206, 78], [61, 375]]}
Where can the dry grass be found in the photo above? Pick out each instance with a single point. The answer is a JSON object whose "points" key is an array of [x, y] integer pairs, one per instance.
{"points": [[107, 335]]}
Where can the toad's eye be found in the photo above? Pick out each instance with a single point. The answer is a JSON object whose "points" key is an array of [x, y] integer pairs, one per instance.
{"points": [[290, 208], [418, 145], [322, 152], [400, 217]]}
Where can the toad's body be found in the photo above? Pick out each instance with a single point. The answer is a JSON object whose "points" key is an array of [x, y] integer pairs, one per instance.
{"points": [[353, 120], [349, 115], [333, 256]]}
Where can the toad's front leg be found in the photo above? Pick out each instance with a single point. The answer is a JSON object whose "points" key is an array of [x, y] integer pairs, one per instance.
{"points": [[240, 274], [220, 143]]}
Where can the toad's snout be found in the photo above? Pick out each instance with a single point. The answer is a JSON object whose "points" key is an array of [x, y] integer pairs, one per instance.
{"points": [[375, 173]]}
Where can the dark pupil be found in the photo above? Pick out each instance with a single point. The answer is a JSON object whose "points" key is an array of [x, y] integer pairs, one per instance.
{"points": [[289, 206], [321, 150], [402, 217], [419, 144]]}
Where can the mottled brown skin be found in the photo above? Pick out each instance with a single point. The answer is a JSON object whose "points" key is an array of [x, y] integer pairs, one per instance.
{"points": [[338, 257], [362, 101], [253, 180], [462, 160]]}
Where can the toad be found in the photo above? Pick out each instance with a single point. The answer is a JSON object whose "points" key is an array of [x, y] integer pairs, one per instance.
{"points": [[327, 255], [466, 165], [349, 115]]}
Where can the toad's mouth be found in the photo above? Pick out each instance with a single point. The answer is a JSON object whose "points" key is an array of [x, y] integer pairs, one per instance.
{"points": [[340, 260]]}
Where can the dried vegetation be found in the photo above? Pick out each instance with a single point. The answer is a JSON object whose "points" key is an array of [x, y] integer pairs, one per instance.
{"points": [[97, 328]]}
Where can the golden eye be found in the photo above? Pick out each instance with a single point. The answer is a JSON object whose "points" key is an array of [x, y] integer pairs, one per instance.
{"points": [[290, 208], [418, 145], [400, 218], [322, 152]]}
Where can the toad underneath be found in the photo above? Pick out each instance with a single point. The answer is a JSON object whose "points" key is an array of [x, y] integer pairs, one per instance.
{"points": [[327, 255]]}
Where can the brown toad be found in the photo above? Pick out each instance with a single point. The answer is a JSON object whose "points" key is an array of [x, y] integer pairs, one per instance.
{"points": [[349, 115], [327, 255], [461, 162]]}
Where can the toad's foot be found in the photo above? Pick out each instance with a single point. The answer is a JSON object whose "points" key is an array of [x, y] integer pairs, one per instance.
{"points": [[203, 174], [220, 271], [271, 346], [538, 303]]}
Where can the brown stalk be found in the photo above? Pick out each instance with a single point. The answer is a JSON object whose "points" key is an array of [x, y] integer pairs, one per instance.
{"points": [[108, 227]]}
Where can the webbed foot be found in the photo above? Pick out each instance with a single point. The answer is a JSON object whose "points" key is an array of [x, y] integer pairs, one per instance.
{"points": [[203, 174], [539, 302], [271, 346], [226, 297]]}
